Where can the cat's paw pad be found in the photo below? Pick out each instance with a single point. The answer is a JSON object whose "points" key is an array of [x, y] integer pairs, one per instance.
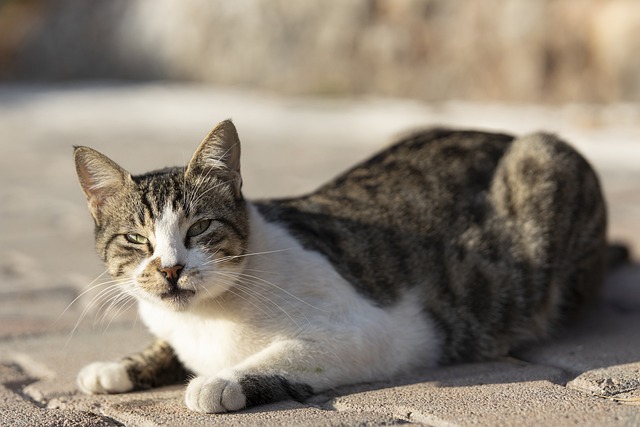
{"points": [[104, 377], [214, 395]]}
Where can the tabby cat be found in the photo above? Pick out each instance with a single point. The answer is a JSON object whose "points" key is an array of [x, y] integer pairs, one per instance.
{"points": [[448, 246]]}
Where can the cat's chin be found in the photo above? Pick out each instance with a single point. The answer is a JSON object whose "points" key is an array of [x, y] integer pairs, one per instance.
{"points": [[179, 299]]}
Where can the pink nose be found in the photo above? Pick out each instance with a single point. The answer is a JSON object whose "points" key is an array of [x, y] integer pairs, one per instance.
{"points": [[172, 274]]}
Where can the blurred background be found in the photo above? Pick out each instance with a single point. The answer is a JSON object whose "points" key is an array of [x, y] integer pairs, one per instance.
{"points": [[313, 87], [509, 50]]}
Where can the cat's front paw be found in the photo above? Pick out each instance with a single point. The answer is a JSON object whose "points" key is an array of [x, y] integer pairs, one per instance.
{"points": [[104, 377], [214, 395]]}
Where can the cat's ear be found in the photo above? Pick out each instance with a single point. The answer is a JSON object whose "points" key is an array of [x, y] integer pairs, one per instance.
{"points": [[219, 153], [100, 177]]}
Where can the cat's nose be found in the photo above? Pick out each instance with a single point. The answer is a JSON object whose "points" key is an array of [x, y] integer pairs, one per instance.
{"points": [[172, 274]]}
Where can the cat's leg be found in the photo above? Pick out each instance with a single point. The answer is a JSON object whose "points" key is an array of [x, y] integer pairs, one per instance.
{"points": [[285, 370], [155, 366]]}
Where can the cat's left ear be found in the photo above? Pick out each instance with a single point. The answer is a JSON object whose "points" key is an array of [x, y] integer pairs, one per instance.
{"points": [[219, 153]]}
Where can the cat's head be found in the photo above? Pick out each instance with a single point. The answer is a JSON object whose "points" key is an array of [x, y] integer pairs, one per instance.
{"points": [[176, 236]]}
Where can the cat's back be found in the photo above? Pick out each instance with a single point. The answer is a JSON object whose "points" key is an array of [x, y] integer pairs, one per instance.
{"points": [[465, 215], [375, 221], [416, 180], [421, 180]]}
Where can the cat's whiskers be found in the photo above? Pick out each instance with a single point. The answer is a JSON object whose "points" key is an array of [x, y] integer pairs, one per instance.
{"points": [[128, 299], [113, 300], [251, 288], [249, 300], [256, 294], [113, 289], [125, 303], [104, 297], [231, 283], [252, 285], [211, 257], [260, 271], [111, 284], [232, 257], [90, 286], [253, 301], [259, 280], [200, 286]]}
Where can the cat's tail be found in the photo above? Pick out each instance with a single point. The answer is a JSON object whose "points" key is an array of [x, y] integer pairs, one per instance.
{"points": [[618, 255]]}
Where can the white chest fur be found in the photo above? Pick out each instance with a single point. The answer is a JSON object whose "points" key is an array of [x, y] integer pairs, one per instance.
{"points": [[205, 345]]}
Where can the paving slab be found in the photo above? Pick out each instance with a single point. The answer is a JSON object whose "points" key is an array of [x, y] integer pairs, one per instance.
{"points": [[156, 411], [506, 392], [503, 393], [601, 351], [54, 360], [620, 382], [43, 371], [604, 338], [19, 411], [494, 398]]}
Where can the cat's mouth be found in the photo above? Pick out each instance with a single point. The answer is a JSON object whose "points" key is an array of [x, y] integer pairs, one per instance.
{"points": [[177, 296]]}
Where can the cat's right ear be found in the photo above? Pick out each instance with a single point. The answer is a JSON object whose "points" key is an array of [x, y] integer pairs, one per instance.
{"points": [[99, 176]]}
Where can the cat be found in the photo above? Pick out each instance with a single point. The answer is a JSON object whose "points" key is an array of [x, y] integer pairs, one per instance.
{"points": [[449, 246]]}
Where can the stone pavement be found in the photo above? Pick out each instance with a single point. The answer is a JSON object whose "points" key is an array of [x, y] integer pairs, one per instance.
{"points": [[589, 375]]}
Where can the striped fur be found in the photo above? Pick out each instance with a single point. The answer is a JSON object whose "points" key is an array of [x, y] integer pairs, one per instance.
{"points": [[447, 246]]}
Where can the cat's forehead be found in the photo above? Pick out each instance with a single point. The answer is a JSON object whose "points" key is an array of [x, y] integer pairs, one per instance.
{"points": [[167, 180], [190, 195]]}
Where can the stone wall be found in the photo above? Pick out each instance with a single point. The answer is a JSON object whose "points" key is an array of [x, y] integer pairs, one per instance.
{"points": [[516, 50]]}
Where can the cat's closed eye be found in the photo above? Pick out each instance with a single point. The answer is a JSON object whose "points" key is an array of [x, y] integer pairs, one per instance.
{"points": [[198, 228]]}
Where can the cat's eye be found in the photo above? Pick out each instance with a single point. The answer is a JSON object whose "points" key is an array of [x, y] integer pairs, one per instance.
{"points": [[136, 239], [198, 228]]}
